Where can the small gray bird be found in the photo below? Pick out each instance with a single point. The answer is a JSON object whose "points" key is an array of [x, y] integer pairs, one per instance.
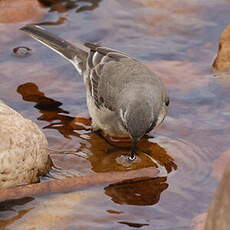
{"points": [[124, 98]]}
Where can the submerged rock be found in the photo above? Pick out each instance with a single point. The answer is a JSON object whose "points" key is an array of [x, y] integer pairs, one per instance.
{"points": [[13, 11], [218, 213], [217, 217], [222, 61], [23, 149]]}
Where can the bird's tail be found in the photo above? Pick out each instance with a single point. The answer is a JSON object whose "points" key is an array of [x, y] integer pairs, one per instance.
{"points": [[72, 53]]}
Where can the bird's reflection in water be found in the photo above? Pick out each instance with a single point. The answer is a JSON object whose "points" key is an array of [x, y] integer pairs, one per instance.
{"points": [[142, 191]]}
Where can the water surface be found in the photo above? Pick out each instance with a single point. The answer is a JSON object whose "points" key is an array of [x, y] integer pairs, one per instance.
{"points": [[177, 40]]}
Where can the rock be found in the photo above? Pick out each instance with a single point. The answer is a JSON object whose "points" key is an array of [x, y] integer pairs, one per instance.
{"points": [[218, 213], [13, 11], [57, 211], [220, 164], [199, 221], [23, 149], [222, 61]]}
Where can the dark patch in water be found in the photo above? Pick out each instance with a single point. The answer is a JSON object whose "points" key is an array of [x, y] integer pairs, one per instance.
{"points": [[65, 5], [9, 205], [133, 225], [142, 192]]}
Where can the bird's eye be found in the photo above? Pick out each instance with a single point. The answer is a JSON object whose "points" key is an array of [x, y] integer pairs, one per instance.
{"points": [[167, 102]]}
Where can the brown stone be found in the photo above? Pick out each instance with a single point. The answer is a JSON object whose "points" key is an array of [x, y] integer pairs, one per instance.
{"points": [[70, 184], [23, 149], [218, 213], [222, 61], [220, 164], [199, 221]]}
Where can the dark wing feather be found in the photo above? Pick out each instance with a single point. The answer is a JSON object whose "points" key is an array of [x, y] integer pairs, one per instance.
{"points": [[97, 58]]}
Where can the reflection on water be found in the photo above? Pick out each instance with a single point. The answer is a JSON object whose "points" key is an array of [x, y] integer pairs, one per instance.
{"points": [[65, 5], [134, 225], [59, 21], [11, 207], [144, 191], [49, 108]]}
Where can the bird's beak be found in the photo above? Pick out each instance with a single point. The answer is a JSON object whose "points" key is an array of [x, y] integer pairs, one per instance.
{"points": [[133, 149]]}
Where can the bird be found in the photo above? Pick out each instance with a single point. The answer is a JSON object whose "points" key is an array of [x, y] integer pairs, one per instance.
{"points": [[124, 97], [23, 149]]}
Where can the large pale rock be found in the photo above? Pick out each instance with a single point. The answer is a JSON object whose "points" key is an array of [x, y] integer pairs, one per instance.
{"points": [[220, 164], [217, 217], [23, 149], [218, 213], [222, 61]]}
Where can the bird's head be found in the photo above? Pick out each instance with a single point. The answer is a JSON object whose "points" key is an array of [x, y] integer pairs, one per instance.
{"points": [[140, 114], [138, 119]]}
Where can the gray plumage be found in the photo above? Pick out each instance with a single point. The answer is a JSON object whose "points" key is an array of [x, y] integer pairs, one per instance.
{"points": [[124, 97]]}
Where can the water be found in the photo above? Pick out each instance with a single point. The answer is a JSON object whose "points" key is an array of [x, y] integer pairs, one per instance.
{"points": [[176, 39]]}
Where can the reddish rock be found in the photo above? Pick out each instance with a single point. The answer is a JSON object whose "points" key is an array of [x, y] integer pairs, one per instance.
{"points": [[220, 164], [218, 213], [13, 11], [199, 221]]}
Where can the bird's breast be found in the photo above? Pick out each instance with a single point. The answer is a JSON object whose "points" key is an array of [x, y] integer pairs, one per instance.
{"points": [[106, 120]]}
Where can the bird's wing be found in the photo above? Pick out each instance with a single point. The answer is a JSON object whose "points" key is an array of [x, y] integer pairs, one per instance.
{"points": [[110, 73], [98, 59]]}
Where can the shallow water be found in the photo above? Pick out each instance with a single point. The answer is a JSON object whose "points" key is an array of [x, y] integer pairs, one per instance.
{"points": [[176, 39]]}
